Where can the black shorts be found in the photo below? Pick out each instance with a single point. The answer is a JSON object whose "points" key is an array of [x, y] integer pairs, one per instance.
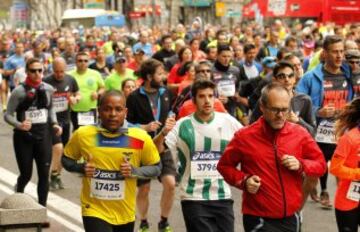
{"points": [[64, 138], [217, 215], [168, 167], [287, 224], [93, 224]]}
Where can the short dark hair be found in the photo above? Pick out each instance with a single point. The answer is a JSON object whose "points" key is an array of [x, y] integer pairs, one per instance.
{"points": [[223, 47], [108, 94], [164, 37], [81, 54], [331, 39], [148, 67], [290, 39], [248, 47], [264, 98], [201, 84], [30, 62], [282, 64]]}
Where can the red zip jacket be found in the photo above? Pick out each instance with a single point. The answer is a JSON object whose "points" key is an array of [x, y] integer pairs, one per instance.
{"points": [[259, 148]]}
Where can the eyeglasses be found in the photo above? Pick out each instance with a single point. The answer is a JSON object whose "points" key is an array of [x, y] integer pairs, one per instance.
{"points": [[82, 61], [278, 110], [34, 70], [282, 76], [354, 62], [204, 71]]}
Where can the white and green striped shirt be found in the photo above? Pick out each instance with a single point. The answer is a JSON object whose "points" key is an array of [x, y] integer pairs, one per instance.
{"points": [[190, 139]]}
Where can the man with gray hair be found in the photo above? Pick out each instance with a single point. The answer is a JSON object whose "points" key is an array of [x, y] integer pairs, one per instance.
{"points": [[274, 155]]}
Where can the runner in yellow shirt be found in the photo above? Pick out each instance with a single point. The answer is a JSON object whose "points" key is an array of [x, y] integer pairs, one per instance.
{"points": [[113, 155]]}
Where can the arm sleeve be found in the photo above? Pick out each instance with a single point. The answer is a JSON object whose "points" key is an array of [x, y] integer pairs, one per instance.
{"points": [[71, 165], [312, 161], [148, 171], [14, 101], [337, 167], [229, 161]]}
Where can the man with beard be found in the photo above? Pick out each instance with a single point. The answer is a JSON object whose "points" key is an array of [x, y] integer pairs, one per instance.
{"points": [[166, 50], [149, 107]]}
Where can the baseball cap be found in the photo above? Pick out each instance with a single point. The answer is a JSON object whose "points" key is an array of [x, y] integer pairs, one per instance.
{"points": [[120, 59], [139, 51], [352, 54], [269, 62]]}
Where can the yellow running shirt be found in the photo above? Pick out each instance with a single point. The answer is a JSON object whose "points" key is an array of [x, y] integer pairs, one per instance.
{"points": [[107, 195]]}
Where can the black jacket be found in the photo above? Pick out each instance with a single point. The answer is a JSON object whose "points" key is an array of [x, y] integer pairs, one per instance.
{"points": [[139, 108]]}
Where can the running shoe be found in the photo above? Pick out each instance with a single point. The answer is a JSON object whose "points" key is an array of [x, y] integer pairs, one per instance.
{"points": [[166, 228], [144, 227], [59, 183], [53, 182]]}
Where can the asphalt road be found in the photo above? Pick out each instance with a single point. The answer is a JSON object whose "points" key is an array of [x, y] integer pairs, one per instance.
{"points": [[64, 209]]}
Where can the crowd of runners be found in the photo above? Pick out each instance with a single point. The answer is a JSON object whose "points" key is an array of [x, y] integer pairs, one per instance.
{"points": [[267, 109]]}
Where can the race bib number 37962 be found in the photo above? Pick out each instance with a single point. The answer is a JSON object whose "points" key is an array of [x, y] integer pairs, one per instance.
{"points": [[203, 165]]}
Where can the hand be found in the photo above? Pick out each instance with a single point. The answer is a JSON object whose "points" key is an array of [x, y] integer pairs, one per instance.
{"points": [[242, 100], [25, 125], [125, 168], [152, 126], [290, 162], [253, 184], [327, 111], [94, 96], [169, 124], [89, 168], [58, 130], [223, 99], [73, 100], [292, 117]]}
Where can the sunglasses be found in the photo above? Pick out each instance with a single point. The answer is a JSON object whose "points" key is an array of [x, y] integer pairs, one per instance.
{"points": [[354, 62], [82, 61], [33, 70], [282, 76]]}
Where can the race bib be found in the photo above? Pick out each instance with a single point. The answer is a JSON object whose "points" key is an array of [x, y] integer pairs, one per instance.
{"points": [[107, 185], [354, 191], [37, 116], [60, 104], [86, 118], [203, 165], [226, 87], [325, 132]]}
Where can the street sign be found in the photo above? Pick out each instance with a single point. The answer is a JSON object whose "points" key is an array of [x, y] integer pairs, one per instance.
{"points": [[136, 14], [198, 3], [233, 14]]}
